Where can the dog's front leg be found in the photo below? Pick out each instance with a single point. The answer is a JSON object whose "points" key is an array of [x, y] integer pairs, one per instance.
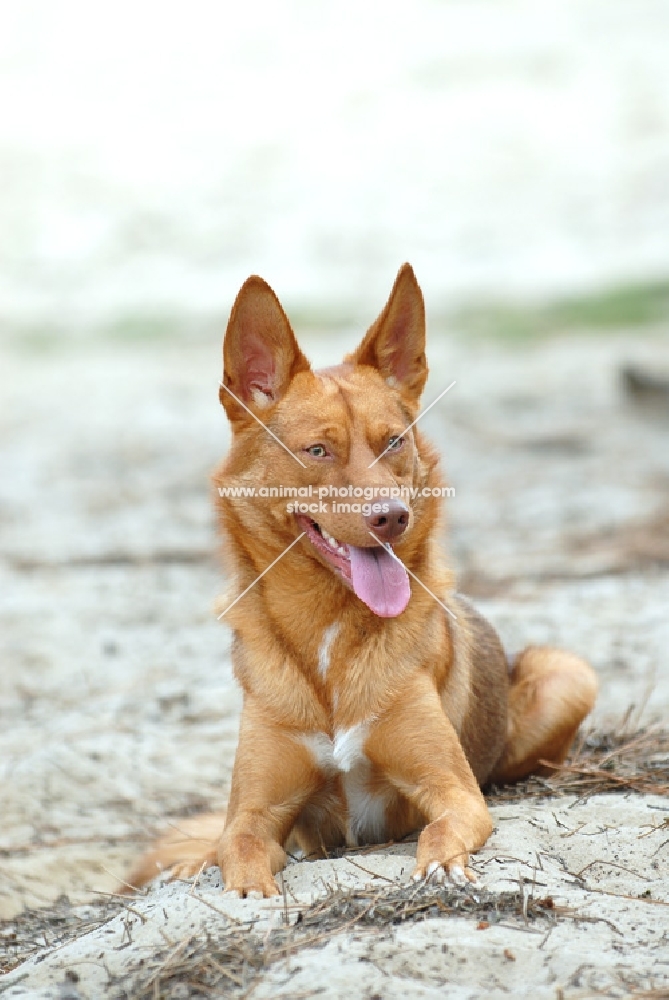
{"points": [[273, 777], [415, 745]]}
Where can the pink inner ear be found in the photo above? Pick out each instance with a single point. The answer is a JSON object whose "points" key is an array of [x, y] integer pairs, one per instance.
{"points": [[259, 367], [399, 348]]}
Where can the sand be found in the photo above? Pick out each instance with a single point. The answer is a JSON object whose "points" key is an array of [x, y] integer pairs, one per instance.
{"points": [[118, 711]]}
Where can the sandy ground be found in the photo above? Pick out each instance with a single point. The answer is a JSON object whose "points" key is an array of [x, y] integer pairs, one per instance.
{"points": [[118, 708]]}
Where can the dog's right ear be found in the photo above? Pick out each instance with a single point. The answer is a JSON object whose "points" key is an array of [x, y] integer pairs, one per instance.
{"points": [[260, 353]]}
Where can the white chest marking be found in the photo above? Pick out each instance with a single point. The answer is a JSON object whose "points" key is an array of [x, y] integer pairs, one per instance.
{"points": [[348, 744], [320, 747], [345, 755], [329, 636], [341, 754]]}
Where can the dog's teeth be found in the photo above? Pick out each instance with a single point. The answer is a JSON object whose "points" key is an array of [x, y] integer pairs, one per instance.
{"points": [[330, 540], [341, 550]]}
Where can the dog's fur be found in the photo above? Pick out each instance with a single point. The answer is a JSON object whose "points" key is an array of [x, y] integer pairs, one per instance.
{"points": [[360, 722]]}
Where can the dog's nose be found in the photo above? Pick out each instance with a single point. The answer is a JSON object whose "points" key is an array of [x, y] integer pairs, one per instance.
{"points": [[391, 523]]}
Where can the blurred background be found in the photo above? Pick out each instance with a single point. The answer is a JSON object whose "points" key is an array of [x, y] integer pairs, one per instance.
{"points": [[152, 156]]}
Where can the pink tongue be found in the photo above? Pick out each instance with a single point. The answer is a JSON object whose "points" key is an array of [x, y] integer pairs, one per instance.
{"points": [[380, 580]]}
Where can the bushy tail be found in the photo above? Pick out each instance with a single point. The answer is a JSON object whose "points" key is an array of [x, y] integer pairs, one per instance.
{"points": [[188, 847], [550, 693]]}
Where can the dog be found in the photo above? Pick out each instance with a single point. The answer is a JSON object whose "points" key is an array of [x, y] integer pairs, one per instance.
{"points": [[377, 701]]}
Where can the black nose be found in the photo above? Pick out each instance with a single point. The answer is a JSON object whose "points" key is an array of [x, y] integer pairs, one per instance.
{"points": [[391, 523]]}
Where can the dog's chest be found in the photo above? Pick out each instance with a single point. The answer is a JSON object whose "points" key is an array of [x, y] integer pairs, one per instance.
{"points": [[341, 757], [366, 799]]}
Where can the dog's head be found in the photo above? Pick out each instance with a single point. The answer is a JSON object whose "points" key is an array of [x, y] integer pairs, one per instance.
{"points": [[331, 453]]}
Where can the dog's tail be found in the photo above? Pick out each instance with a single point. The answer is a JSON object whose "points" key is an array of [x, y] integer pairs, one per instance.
{"points": [[189, 847]]}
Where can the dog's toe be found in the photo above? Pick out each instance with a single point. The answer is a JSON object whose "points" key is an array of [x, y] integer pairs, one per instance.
{"points": [[461, 876], [435, 872], [457, 875]]}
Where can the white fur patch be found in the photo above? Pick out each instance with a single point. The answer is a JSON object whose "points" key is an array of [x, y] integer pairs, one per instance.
{"points": [[348, 744], [366, 812], [261, 399], [321, 749], [341, 754], [329, 636]]}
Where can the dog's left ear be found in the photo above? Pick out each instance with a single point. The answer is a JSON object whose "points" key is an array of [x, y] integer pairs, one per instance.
{"points": [[395, 343]]}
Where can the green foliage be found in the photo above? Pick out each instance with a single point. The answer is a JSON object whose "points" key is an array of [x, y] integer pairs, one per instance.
{"points": [[626, 305]]}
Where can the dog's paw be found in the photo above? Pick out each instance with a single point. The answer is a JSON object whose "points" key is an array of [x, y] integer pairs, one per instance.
{"points": [[434, 871], [442, 853], [247, 862]]}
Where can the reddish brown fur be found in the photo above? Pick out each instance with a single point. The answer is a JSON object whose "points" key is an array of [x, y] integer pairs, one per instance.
{"points": [[437, 711]]}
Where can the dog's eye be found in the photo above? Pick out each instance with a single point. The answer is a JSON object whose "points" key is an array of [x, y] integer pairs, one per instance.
{"points": [[395, 443], [317, 451]]}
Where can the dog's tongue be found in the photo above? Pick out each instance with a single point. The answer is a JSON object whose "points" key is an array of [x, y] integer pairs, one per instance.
{"points": [[380, 580]]}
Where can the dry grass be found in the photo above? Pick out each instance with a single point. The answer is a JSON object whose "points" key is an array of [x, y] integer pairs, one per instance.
{"points": [[230, 962], [620, 760], [46, 927]]}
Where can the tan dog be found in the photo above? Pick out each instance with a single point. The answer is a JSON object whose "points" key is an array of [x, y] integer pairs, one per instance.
{"points": [[376, 700]]}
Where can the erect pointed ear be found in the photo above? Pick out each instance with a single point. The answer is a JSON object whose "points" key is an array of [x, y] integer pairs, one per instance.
{"points": [[260, 353], [395, 343]]}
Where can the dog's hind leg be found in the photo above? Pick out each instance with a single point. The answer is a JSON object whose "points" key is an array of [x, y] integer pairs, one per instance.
{"points": [[550, 694]]}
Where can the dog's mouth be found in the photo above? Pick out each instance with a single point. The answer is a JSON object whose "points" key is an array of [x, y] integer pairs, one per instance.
{"points": [[375, 574]]}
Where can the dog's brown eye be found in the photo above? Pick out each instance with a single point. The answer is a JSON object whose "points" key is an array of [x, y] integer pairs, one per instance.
{"points": [[317, 451], [395, 443]]}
